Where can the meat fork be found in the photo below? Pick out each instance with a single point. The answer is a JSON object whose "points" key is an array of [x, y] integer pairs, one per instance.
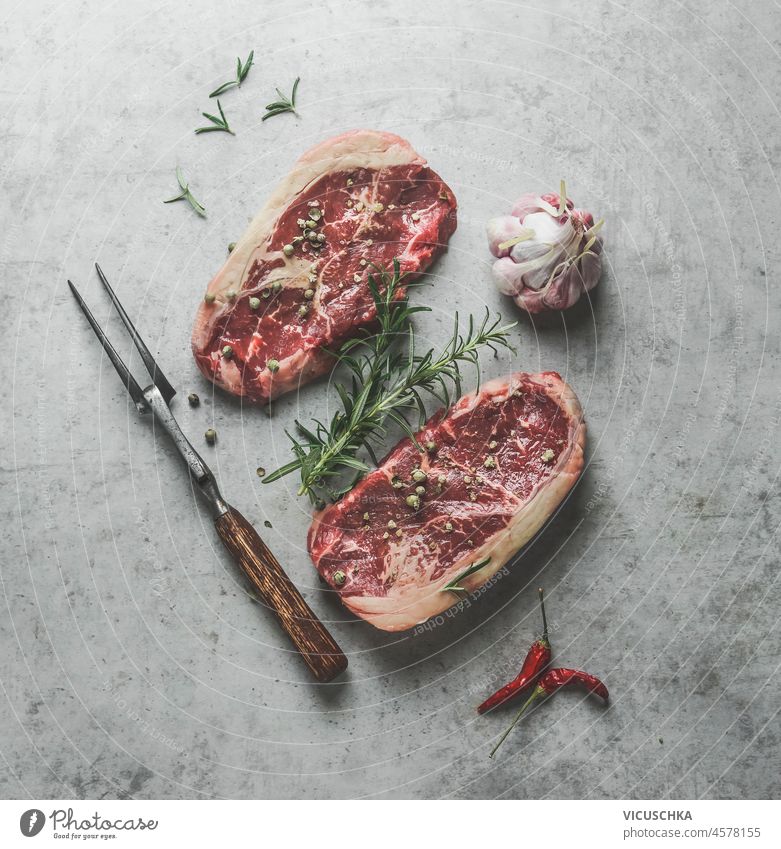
{"points": [[310, 637]]}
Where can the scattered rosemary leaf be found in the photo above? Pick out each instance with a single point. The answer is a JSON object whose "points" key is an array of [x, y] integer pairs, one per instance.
{"points": [[470, 570], [242, 69], [284, 104], [186, 194], [219, 124]]}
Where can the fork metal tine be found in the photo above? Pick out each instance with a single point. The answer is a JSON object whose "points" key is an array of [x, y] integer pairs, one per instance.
{"points": [[136, 393], [158, 378]]}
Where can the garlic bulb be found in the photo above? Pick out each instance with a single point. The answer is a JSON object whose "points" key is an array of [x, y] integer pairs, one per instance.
{"points": [[548, 253]]}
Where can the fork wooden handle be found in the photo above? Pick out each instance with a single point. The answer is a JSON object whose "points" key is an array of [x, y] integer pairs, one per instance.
{"points": [[318, 648]]}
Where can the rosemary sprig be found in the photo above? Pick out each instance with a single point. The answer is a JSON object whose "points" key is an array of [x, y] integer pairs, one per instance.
{"points": [[284, 104], [242, 69], [470, 570], [387, 379], [186, 194], [219, 124]]}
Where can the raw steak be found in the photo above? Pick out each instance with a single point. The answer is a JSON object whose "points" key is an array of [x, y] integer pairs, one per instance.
{"points": [[501, 462], [296, 282]]}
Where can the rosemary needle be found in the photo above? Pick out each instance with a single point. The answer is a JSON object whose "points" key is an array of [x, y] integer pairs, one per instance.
{"points": [[218, 124], [284, 104], [186, 194], [453, 586], [242, 69]]}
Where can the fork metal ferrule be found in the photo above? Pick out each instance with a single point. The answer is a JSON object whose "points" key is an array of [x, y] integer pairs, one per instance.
{"points": [[199, 471]]}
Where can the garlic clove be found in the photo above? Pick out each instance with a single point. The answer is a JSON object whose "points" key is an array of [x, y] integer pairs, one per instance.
{"points": [[502, 229], [526, 205], [508, 276]]}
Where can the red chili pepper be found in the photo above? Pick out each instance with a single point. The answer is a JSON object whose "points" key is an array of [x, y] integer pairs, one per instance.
{"points": [[533, 666], [552, 680]]}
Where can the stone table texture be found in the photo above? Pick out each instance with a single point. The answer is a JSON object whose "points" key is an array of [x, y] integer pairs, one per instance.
{"points": [[134, 663]]}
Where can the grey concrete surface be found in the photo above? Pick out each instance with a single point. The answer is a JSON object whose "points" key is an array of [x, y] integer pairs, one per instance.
{"points": [[133, 663]]}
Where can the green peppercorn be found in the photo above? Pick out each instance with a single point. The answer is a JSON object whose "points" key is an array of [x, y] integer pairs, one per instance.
{"points": [[260, 471], [419, 476], [210, 436], [431, 446], [547, 455], [413, 501], [231, 246], [227, 352], [266, 293], [209, 298], [339, 577], [193, 399], [230, 295], [302, 310], [254, 303], [489, 463], [421, 490], [276, 286], [273, 365], [288, 250]]}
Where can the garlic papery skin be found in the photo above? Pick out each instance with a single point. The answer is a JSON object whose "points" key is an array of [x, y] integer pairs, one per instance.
{"points": [[548, 253], [501, 230]]}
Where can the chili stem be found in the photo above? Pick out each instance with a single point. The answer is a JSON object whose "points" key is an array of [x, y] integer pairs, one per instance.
{"points": [[536, 692], [544, 617]]}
